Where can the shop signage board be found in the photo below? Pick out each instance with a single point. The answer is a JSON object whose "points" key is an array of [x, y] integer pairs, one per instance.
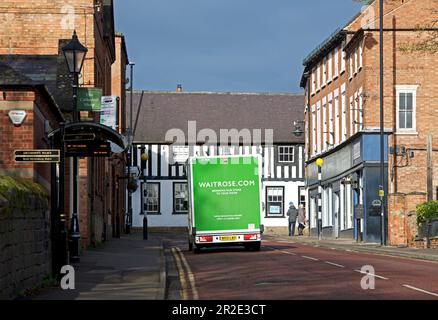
{"points": [[87, 149], [108, 111], [89, 99]]}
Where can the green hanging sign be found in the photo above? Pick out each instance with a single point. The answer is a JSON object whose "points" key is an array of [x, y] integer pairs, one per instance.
{"points": [[89, 99]]}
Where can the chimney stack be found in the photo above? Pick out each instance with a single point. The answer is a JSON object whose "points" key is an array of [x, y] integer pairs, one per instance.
{"points": [[179, 88]]}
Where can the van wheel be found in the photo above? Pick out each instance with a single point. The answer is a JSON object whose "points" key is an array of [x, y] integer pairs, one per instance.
{"points": [[190, 246], [256, 247], [196, 249]]}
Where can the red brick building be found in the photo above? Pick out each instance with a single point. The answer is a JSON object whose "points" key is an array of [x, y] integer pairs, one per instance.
{"points": [[39, 29], [343, 119], [41, 115]]}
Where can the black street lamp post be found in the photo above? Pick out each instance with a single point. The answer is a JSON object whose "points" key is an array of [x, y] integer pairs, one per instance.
{"points": [[382, 131], [74, 53], [144, 158], [128, 221]]}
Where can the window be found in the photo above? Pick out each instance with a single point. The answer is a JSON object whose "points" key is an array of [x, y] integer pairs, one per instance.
{"points": [[351, 116], [356, 113], [152, 195], [330, 128], [336, 126], [360, 56], [318, 127], [344, 113], [350, 59], [318, 77], [356, 60], [313, 130], [179, 154], [330, 67], [225, 151], [180, 198], [286, 154], [324, 123], [406, 108], [274, 201], [343, 61], [313, 81], [324, 72], [302, 196], [336, 71], [360, 109]]}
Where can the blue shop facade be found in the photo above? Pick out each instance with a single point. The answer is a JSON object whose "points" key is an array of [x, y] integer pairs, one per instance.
{"points": [[350, 189]]}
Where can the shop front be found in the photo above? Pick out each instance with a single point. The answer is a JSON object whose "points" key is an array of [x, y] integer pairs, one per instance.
{"points": [[350, 180]]}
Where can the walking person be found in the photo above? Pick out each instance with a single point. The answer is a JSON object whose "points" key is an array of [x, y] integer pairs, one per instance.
{"points": [[301, 219], [292, 213]]}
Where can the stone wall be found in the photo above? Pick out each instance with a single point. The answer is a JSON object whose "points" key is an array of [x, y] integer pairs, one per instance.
{"points": [[25, 255]]}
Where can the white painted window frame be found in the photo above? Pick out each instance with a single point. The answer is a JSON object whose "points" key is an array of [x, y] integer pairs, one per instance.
{"points": [[279, 152], [330, 67], [344, 112], [407, 89], [337, 115], [324, 123], [330, 120]]}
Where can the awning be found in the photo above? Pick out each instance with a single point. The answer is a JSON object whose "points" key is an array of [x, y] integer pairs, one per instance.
{"points": [[118, 142]]}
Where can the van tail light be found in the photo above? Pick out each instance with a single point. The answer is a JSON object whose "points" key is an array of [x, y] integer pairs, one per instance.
{"points": [[248, 237], [206, 239]]}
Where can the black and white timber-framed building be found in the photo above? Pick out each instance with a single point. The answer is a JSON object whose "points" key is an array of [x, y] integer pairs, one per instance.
{"points": [[267, 118]]}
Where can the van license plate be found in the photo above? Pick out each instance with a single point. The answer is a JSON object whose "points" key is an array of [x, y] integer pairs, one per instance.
{"points": [[228, 238]]}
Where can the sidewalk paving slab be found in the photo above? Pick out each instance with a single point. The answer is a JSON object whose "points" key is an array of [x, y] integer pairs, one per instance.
{"points": [[128, 268]]}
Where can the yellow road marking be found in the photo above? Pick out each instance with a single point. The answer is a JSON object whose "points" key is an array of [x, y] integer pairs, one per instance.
{"points": [[190, 275], [181, 274]]}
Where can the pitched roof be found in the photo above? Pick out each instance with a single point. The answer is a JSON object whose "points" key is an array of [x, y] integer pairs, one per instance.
{"points": [[162, 111], [10, 76], [48, 70]]}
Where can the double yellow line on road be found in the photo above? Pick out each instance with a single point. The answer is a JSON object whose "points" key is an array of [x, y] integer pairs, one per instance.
{"points": [[186, 276]]}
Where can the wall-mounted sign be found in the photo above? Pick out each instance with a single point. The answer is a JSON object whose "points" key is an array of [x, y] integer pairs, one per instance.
{"points": [[275, 209], [109, 111], [45, 156], [87, 149], [79, 137], [89, 99], [17, 116]]}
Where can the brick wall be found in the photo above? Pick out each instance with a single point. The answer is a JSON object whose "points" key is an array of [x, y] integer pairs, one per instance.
{"points": [[25, 256], [402, 218], [35, 27], [15, 137], [407, 175]]}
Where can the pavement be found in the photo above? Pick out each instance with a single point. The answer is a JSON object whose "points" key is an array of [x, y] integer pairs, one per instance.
{"points": [[352, 245], [128, 268]]}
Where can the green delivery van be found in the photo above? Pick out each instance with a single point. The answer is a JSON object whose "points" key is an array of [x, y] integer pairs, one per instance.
{"points": [[224, 201]]}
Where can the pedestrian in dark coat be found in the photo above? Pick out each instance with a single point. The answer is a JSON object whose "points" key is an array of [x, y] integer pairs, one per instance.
{"points": [[292, 213]]}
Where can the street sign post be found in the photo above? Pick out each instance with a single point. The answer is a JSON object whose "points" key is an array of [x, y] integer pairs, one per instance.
{"points": [[42, 156]]}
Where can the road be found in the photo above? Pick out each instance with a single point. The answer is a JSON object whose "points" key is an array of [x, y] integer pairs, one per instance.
{"points": [[286, 270]]}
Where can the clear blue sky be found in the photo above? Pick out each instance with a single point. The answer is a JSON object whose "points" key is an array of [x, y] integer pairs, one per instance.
{"points": [[226, 45]]}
